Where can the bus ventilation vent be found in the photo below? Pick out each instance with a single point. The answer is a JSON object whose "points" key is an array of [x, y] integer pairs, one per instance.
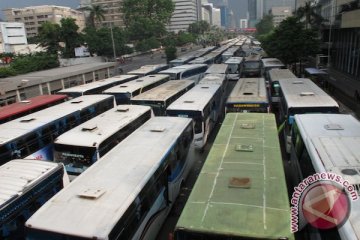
{"points": [[247, 126], [248, 93], [122, 109], [91, 194], [333, 127], [76, 102], [123, 86], [157, 129], [27, 119], [89, 128], [188, 101], [25, 101], [205, 87], [151, 76], [303, 94], [139, 80], [298, 82], [244, 148], [349, 172]]}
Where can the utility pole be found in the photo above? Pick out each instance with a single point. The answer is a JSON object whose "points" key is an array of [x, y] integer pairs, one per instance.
{"points": [[112, 40]]}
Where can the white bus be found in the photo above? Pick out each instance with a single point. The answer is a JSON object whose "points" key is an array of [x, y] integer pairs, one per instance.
{"points": [[270, 63], [97, 87], [185, 59], [235, 65], [252, 66], [83, 145], [188, 71], [329, 143], [217, 69], [203, 104], [124, 92], [159, 98], [274, 76], [126, 195], [148, 70], [248, 95], [231, 52], [32, 136], [298, 96], [25, 185]]}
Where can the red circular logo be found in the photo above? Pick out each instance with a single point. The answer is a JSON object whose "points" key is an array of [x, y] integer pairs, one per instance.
{"points": [[325, 206]]}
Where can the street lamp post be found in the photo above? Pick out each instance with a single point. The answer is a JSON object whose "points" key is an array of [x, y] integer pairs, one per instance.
{"points": [[332, 20], [112, 40]]}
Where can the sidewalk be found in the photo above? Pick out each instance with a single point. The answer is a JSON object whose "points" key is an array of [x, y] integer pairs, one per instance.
{"points": [[345, 89]]}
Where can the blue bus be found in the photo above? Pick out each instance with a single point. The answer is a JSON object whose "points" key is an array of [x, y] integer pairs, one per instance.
{"points": [[25, 185], [32, 136]]}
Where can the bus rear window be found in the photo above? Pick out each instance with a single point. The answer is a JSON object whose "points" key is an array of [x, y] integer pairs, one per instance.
{"points": [[76, 155], [252, 64]]}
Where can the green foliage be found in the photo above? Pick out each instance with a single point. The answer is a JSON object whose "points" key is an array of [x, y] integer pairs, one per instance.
{"points": [[170, 52], [291, 42], [49, 37], [185, 38], [265, 26], [100, 43], [6, 72], [33, 62], [70, 36], [199, 27], [145, 19], [50, 34], [308, 13], [96, 14]]}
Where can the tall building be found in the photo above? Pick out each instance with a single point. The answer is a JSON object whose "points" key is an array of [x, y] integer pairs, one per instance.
{"points": [[280, 14], [12, 35], [255, 11], [186, 12], [224, 11], [268, 4], [34, 16], [341, 38], [112, 11]]}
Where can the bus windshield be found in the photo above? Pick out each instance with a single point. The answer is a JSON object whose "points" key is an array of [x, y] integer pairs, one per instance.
{"points": [[77, 156]]}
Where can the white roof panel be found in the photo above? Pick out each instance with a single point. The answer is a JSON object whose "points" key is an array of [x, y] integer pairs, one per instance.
{"points": [[119, 176]]}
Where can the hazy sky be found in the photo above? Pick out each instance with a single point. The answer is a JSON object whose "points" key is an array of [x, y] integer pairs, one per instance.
{"points": [[26, 3]]}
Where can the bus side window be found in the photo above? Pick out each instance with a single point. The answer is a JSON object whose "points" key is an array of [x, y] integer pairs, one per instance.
{"points": [[32, 142]]}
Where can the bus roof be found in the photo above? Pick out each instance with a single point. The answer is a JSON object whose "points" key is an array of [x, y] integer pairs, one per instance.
{"points": [[97, 129], [271, 62], [196, 98], [94, 202], [255, 57], [277, 73], [181, 68], [217, 68], [146, 69], [28, 104], [18, 176], [325, 131], [302, 92], [136, 84], [20, 126], [248, 90], [164, 91], [213, 79], [236, 60], [219, 204], [103, 82]]}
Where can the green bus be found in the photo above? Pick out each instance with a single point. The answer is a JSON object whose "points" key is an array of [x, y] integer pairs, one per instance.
{"points": [[241, 190]]}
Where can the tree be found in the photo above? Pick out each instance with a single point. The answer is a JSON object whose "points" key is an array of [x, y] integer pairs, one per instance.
{"points": [[291, 42], [312, 19], [96, 14], [70, 36], [147, 18], [170, 52], [265, 25], [49, 37], [99, 41], [199, 27]]}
